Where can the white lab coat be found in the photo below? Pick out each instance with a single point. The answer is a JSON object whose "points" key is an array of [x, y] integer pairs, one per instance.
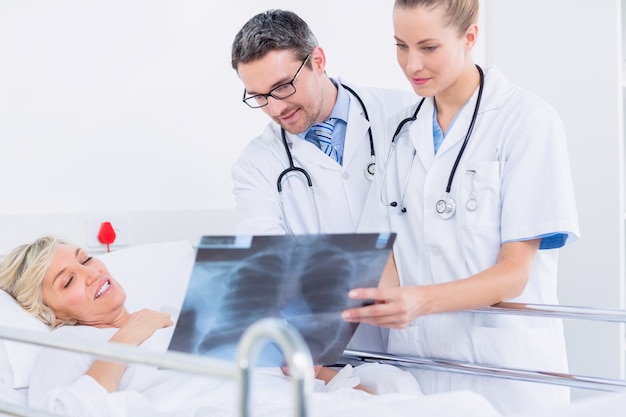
{"points": [[340, 192], [518, 159]]}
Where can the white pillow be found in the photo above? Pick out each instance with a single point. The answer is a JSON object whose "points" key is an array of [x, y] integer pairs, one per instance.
{"points": [[153, 275], [20, 357]]}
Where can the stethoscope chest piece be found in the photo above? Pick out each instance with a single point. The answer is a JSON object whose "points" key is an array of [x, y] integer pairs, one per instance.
{"points": [[370, 170], [446, 207], [471, 204]]}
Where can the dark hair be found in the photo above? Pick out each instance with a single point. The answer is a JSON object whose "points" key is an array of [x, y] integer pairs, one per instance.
{"points": [[272, 30]]}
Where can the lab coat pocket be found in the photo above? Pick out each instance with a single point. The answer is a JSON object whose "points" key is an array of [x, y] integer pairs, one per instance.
{"points": [[519, 348], [480, 193], [524, 348]]}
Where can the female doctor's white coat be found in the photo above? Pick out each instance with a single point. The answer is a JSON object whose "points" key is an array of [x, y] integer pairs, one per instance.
{"points": [[341, 192], [516, 164]]}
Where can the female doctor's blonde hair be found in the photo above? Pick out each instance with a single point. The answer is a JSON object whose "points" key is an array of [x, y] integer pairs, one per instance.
{"points": [[460, 14], [22, 272]]}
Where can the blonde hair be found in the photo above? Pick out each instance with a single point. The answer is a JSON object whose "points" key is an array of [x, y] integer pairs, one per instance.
{"points": [[460, 14], [22, 273]]}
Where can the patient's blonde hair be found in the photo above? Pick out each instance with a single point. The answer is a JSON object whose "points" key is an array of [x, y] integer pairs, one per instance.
{"points": [[22, 272]]}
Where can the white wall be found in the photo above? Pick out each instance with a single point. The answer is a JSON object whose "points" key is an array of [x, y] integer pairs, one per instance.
{"points": [[133, 105]]}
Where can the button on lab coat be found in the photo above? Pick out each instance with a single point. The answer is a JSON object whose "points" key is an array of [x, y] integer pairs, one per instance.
{"points": [[516, 164]]}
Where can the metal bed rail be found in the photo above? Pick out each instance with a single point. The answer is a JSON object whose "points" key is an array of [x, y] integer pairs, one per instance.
{"points": [[286, 337], [557, 311], [563, 379], [539, 310]]}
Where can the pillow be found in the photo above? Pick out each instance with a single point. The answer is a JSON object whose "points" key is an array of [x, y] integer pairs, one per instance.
{"points": [[20, 357], [6, 373], [153, 275]]}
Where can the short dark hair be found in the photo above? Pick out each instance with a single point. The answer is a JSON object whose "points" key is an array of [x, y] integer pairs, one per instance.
{"points": [[272, 30]]}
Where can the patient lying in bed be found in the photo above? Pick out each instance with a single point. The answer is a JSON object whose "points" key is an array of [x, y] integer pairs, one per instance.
{"points": [[69, 290]]}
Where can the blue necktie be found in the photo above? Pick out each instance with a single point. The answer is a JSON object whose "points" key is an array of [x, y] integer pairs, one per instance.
{"points": [[324, 131]]}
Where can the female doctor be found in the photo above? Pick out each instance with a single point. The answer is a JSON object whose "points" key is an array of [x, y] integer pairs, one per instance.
{"points": [[478, 188]]}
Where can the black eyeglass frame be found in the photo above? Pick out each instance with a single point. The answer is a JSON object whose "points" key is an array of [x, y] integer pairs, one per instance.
{"points": [[253, 101]]}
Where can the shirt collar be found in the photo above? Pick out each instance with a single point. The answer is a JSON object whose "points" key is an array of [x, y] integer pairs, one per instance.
{"points": [[342, 106]]}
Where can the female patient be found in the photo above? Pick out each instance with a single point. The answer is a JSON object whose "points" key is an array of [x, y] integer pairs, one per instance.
{"points": [[74, 293]]}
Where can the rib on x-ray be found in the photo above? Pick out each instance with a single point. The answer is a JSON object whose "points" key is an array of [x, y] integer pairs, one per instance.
{"points": [[302, 279]]}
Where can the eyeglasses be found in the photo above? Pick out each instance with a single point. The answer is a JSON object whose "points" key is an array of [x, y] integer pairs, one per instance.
{"points": [[279, 93]]}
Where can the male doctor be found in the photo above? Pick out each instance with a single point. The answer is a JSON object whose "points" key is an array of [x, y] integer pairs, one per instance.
{"points": [[289, 180]]}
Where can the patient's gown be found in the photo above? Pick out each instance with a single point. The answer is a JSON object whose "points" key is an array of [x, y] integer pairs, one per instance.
{"points": [[59, 385]]}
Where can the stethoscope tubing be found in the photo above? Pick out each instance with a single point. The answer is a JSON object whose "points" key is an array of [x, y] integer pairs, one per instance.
{"points": [[394, 140], [292, 168], [367, 117], [412, 118], [469, 129]]}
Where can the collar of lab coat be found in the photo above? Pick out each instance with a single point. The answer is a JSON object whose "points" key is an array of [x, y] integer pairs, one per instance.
{"points": [[422, 128], [356, 132]]}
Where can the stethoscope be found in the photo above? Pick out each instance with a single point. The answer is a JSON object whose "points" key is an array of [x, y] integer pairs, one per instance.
{"points": [[445, 207], [369, 171]]}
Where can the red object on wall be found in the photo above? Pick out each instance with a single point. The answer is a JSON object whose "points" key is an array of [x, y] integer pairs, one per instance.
{"points": [[106, 234]]}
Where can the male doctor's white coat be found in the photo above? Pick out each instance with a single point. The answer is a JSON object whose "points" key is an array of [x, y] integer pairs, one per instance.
{"points": [[516, 165], [340, 192]]}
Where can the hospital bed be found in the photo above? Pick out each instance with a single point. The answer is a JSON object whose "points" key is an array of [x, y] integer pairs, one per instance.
{"points": [[176, 258], [290, 342]]}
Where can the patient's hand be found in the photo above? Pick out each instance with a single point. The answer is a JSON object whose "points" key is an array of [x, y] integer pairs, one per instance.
{"points": [[141, 325], [326, 375]]}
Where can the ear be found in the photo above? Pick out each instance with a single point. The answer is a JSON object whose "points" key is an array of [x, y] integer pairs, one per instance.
{"points": [[471, 35], [318, 60]]}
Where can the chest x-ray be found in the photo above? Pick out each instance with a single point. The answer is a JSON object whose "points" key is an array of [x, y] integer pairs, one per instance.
{"points": [[304, 280]]}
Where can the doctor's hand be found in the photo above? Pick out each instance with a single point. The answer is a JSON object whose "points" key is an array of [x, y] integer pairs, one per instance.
{"points": [[394, 307]]}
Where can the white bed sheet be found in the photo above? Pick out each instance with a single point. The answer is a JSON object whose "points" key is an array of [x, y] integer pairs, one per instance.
{"points": [[12, 396], [451, 404], [272, 396]]}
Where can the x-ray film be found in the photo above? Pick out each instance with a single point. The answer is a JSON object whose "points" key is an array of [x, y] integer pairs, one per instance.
{"points": [[302, 279]]}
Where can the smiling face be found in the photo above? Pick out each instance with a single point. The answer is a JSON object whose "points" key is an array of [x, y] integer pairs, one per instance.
{"points": [[433, 54], [80, 287], [297, 112]]}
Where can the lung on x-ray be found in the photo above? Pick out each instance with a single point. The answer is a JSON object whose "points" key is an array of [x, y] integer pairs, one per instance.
{"points": [[302, 279]]}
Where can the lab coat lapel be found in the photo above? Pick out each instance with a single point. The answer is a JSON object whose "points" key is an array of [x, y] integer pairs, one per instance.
{"points": [[356, 131], [422, 128], [306, 152], [422, 134], [458, 131]]}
